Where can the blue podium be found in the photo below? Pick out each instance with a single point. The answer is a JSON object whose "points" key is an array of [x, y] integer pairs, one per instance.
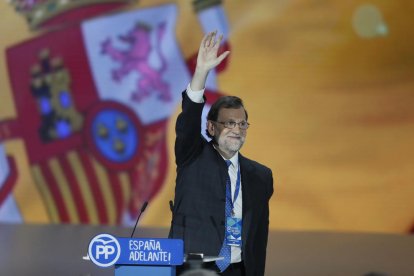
{"points": [[137, 256]]}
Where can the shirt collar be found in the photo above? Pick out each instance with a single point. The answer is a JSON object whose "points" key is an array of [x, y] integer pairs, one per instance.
{"points": [[234, 160]]}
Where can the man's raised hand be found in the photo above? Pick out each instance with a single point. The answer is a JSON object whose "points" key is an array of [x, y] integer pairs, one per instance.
{"points": [[207, 59]]}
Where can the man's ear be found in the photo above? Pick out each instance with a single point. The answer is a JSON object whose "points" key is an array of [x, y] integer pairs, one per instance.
{"points": [[210, 128]]}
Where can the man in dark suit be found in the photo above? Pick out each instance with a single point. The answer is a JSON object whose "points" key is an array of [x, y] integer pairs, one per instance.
{"points": [[221, 205]]}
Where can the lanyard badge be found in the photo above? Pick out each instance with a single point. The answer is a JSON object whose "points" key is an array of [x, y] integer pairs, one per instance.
{"points": [[234, 224]]}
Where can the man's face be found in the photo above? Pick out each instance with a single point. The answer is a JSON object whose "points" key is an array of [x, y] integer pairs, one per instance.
{"points": [[229, 141]]}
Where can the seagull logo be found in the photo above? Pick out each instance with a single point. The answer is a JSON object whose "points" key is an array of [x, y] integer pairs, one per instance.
{"points": [[104, 250]]}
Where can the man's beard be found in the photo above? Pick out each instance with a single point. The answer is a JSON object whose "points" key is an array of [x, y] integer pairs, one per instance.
{"points": [[232, 146]]}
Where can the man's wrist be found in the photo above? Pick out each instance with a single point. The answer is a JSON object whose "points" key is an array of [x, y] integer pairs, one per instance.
{"points": [[198, 81], [195, 95]]}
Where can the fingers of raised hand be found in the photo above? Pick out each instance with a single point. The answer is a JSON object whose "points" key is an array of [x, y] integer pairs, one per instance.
{"points": [[210, 40]]}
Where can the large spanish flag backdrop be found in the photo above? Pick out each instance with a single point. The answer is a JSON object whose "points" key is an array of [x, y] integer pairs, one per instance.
{"points": [[90, 91]]}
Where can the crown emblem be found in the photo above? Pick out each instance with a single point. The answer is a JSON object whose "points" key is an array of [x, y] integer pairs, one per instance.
{"points": [[53, 13]]}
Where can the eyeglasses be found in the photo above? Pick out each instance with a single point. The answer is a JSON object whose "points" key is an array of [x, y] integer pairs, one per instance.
{"points": [[231, 124]]}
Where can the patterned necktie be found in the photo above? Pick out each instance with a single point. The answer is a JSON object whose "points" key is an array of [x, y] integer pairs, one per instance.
{"points": [[225, 248]]}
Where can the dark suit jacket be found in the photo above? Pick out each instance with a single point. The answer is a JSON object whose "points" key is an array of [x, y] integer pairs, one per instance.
{"points": [[199, 204]]}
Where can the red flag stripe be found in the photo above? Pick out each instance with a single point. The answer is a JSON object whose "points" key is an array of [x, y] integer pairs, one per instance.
{"points": [[118, 197], [54, 190], [135, 200], [75, 189]]}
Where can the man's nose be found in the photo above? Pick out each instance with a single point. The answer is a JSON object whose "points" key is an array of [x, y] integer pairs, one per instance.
{"points": [[237, 129]]}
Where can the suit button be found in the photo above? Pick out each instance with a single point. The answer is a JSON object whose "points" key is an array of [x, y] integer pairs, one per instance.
{"points": [[222, 223], [223, 200]]}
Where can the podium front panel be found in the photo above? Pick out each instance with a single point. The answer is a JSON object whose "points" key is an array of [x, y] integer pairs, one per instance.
{"points": [[133, 270]]}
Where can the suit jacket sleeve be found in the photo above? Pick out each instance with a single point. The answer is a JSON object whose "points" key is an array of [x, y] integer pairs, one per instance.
{"points": [[188, 141]]}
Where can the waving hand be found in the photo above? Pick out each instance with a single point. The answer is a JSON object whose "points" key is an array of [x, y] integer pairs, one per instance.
{"points": [[207, 59]]}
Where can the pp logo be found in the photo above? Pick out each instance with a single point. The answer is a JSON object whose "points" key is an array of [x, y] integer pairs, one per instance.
{"points": [[104, 250]]}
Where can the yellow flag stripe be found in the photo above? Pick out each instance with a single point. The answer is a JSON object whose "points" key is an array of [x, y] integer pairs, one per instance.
{"points": [[47, 196], [108, 195], [31, 202], [75, 163]]}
